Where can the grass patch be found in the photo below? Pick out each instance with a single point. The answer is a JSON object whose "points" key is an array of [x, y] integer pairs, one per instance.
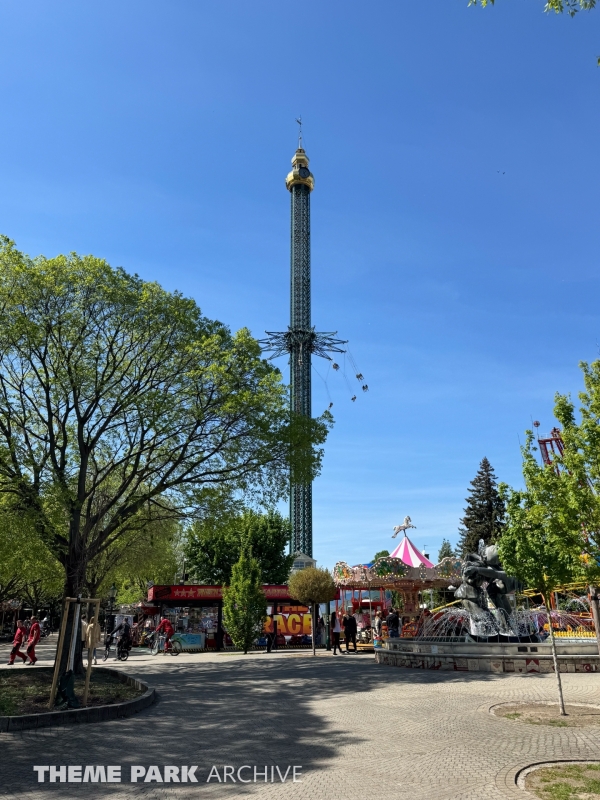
{"points": [[578, 716], [565, 782], [26, 690]]}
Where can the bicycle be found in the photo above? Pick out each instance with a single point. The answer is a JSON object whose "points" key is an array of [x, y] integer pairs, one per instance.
{"points": [[158, 645], [122, 650]]}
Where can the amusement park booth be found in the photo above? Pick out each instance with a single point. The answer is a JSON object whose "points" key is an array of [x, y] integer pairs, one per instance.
{"points": [[197, 611]]}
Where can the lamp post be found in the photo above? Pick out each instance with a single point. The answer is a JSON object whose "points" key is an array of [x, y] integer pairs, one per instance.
{"points": [[112, 593], [184, 575]]}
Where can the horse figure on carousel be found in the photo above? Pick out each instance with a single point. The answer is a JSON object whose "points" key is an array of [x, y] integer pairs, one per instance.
{"points": [[404, 527]]}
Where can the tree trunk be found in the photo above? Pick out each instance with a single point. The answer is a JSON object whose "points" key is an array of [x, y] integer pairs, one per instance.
{"points": [[63, 645], [314, 628], [594, 606], [74, 585], [561, 702]]}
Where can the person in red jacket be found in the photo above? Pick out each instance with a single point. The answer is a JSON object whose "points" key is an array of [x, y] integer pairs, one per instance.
{"points": [[166, 626], [33, 639], [17, 642]]}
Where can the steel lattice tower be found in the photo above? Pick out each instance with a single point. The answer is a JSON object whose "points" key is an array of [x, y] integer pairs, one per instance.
{"points": [[301, 340]]}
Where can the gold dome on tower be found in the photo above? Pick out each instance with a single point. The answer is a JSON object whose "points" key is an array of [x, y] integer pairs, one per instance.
{"points": [[300, 173]]}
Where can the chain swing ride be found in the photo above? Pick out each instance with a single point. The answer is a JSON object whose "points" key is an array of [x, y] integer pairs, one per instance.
{"points": [[300, 341]]}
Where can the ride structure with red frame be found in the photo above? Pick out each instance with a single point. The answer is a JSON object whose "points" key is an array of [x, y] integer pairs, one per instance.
{"points": [[551, 445]]}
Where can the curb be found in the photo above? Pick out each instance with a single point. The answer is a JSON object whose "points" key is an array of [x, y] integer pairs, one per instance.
{"points": [[510, 780], [83, 715], [491, 709], [522, 773]]}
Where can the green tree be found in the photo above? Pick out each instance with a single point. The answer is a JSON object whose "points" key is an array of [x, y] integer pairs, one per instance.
{"points": [[115, 393], [214, 546], [579, 464], [244, 602], [381, 554], [446, 550], [484, 514], [441, 597], [541, 543], [152, 553], [28, 571], [312, 586]]}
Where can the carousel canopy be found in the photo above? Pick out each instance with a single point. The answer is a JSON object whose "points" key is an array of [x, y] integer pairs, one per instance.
{"points": [[408, 553], [397, 572]]}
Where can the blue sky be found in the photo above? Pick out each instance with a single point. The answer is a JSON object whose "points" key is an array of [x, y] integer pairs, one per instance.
{"points": [[454, 219]]}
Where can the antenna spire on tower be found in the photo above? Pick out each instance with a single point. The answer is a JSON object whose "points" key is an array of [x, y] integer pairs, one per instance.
{"points": [[299, 121]]}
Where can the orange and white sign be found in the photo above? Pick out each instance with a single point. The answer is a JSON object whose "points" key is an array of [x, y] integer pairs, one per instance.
{"points": [[296, 624]]}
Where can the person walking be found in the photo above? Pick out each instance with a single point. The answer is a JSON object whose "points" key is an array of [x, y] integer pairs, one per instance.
{"points": [[336, 629], [33, 638], [92, 639], [17, 642], [270, 634], [377, 625], [350, 629]]}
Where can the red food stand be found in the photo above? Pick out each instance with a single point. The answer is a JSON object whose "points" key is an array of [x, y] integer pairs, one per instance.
{"points": [[196, 608]]}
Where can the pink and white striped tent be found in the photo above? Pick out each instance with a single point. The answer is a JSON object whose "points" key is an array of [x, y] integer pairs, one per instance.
{"points": [[408, 553]]}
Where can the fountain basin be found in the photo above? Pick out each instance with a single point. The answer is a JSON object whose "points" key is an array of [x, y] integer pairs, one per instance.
{"points": [[574, 655]]}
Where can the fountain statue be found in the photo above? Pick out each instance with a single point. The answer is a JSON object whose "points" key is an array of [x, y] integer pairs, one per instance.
{"points": [[483, 578]]}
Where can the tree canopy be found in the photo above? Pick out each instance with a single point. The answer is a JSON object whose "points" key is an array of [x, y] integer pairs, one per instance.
{"points": [[312, 585], [541, 543], [117, 396], [28, 570], [381, 554], [564, 496], [579, 464], [484, 513], [153, 553], [214, 545]]}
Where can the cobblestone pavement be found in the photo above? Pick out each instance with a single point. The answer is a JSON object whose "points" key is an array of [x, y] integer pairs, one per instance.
{"points": [[359, 731]]}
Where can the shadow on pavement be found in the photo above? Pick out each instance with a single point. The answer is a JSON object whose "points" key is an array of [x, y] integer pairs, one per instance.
{"points": [[261, 710]]}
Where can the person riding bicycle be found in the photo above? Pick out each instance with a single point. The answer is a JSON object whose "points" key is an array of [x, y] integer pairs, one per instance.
{"points": [[167, 628], [123, 628]]}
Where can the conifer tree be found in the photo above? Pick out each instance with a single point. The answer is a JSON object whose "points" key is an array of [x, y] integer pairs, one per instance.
{"points": [[484, 514], [446, 550], [244, 602]]}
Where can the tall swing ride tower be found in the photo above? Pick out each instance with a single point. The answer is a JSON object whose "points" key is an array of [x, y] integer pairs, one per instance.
{"points": [[301, 340]]}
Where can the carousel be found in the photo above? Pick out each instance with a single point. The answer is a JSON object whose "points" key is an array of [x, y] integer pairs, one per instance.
{"points": [[406, 571]]}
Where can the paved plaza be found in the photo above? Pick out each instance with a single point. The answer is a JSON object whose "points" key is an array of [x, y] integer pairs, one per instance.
{"points": [[358, 730]]}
